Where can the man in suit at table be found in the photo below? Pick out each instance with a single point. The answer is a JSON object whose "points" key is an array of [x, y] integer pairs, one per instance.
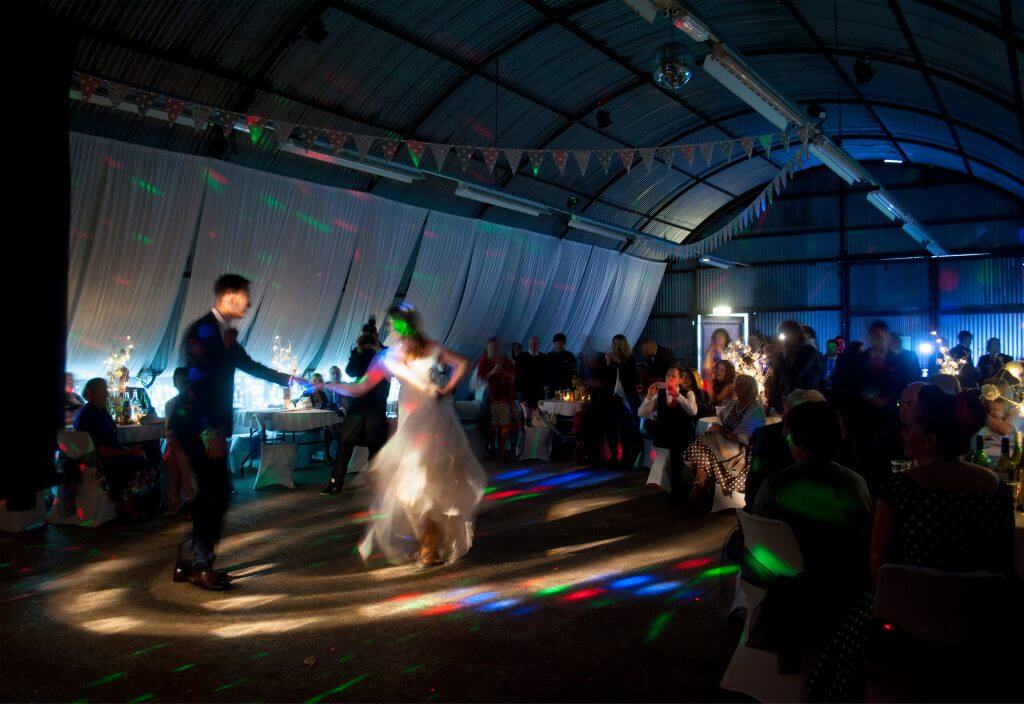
{"points": [[202, 423]]}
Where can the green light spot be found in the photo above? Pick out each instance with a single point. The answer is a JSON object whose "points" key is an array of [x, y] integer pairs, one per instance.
{"points": [[142, 698], [273, 202], [346, 658], [410, 670], [229, 685], [340, 688], [317, 564], [719, 571], [657, 626], [147, 187], [150, 649], [184, 667], [139, 237], [490, 489], [313, 222], [105, 680], [548, 591], [772, 562], [521, 497], [257, 656], [212, 183], [5, 564]]}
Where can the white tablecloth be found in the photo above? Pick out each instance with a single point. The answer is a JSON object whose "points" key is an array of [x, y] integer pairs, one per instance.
{"points": [[153, 430], [560, 408], [287, 421]]}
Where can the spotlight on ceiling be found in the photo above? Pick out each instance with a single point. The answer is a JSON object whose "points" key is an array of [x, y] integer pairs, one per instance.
{"points": [[604, 119], [863, 71], [817, 112], [314, 30], [672, 67]]}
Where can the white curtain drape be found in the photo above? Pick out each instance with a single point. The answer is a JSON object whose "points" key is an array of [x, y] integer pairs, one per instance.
{"points": [[629, 301], [597, 281], [387, 233], [440, 272], [133, 215], [290, 239], [565, 284]]}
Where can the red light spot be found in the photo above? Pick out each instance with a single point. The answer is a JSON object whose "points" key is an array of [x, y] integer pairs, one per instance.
{"points": [[81, 235], [217, 176], [23, 570], [212, 235], [692, 564], [430, 234], [405, 597], [80, 513], [358, 255], [345, 225], [119, 280], [886, 626], [582, 594], [112, 163], [503, 494], [539, 488], [441, 609], [949, 279], [696, 598]]}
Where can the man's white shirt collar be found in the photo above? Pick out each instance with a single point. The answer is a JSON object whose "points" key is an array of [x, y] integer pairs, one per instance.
{"points": [[223, 323]]}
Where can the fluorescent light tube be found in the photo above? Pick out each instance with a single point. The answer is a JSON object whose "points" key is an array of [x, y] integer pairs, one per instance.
{"points": [[892, 161], [838, 161], [744, 85], [645, 8], [601, 228], [914, 229], [880, 200], [692, 27], [372, 165], [717, 262], [500, 199]]}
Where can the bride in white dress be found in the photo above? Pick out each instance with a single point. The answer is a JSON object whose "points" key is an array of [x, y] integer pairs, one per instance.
{"points": [[426, 479]]}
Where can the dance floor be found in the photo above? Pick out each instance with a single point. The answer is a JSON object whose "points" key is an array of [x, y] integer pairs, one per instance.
{"points": [[582, 585]]}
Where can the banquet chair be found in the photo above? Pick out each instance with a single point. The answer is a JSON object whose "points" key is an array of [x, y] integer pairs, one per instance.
{"points": [[17, 521], [83, 504], [737, 500], [942, 633], [751, 671], [660, 461], [536, 442], [277, 461]]}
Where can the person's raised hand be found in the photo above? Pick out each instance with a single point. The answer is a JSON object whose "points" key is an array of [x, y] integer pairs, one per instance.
{"points": [[652, 391]]}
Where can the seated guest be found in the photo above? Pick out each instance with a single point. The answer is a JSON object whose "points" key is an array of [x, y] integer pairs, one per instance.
{"points": [[722, 380], [720, 455], [179, 473], [324, 400], [992, 362], [531, 370], [653, 362], [561, 365], [946, 382], [72, 401], [669, 408], [943, 513], [769, 449], [125, 472]]}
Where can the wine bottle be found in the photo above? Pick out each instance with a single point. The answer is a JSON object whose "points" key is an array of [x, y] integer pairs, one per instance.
{"points": [[979, 457], [1004, 465]]}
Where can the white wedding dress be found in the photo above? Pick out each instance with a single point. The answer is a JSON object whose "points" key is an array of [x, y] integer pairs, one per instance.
{"points": [[425, 472]]}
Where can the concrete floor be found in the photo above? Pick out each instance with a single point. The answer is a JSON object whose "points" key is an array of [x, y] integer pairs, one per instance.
{"points": [[581, 586]]}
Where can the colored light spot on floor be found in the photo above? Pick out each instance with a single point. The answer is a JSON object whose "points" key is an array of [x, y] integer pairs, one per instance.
{"points": [[657, 626], [524, 610], [692, 564], [442, 609], [630, 582], [521, 497], [600, 603], [150, 649], [340, 688], [410, 670], [498, 496], [104, 680], [500, 605], [229, 685], [184, 667], [317, 564], [719, 571], [548, 591], [142, 698], [512, 474], [257, 656], [478, 598], [659, 588], [584, 594]]}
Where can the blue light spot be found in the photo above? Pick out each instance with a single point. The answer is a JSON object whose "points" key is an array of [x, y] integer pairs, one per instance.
{"points": [[500, 605], [206, 331], [630, 582], [525, 610], [567, 478], [512, 474], [659, 588], [479, 598]]}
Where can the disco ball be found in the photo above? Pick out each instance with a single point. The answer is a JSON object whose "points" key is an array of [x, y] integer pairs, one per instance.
{"points": [[672, 66]]}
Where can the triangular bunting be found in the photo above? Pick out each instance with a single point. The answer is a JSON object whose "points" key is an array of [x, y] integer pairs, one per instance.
{"points": [[784, 140], [626, 156], [308, 135], [748, 145], [667, 154], [707, 149], [87, 85], [388, 147], [513, 157], [604, 158], [228, 120], [727, 147], [416, 150], [116, 92], [465, 154], [174, 108], [560, 157], [200, 117], [283, 131], [490, 155], [256, 125], [440, 152], [336, 139], [536, 159], [804, 133], [766, 141], [647, 157], [687, 151], [582, 160], [363, 144], [144, 101]]}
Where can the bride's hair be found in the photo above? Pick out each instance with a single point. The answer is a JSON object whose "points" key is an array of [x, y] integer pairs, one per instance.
{"points": [[406, 323]]}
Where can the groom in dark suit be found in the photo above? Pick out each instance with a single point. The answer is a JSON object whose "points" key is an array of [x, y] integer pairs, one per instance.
{"points": [[202, 423]]}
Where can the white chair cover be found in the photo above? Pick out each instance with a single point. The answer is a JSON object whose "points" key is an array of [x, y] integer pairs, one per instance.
{"points": [[276, 464], [238, 452], [85, 504], [751, 671], [18, 521], [722, 502], [536, 443], [661, 468]]}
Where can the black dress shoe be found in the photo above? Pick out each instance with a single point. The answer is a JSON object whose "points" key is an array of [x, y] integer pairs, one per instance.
{"points": [[331, 489], [182, 571], [215, 580]]}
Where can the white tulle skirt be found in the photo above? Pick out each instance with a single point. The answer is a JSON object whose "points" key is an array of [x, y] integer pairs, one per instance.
{"points": [[425, 473]]}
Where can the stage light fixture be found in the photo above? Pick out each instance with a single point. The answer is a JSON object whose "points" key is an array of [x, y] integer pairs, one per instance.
{"points": [[604, 119], [863, 71]]}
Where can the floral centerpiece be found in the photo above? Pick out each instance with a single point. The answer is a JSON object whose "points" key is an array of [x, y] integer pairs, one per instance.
{"points": [[751, 362]]}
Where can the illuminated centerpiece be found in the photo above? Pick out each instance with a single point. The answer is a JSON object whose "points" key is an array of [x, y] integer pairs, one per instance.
{"points": [[117, 381], [947, 365], [752, 363], [286, 363]]}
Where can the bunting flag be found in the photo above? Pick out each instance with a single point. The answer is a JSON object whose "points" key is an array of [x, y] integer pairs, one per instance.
{"points": [[388, 147], [604, 158], [416, 151], [707, 149], [308, 136], [256, 126], [727, 147], [440, 152], [200, 117], [748, 145], [283, 130], [647, 157], [336, 139], [687, 151], [667, 154], [784, 140], [363, 144], [513, 157], [582, 160], [804, 133], [560, 157], [464, 154], [490, 155], [626, 156], [536, 159], [228, 120], [144, 101], [766, 143], [116, 93], [174, 108], [87, 85]]}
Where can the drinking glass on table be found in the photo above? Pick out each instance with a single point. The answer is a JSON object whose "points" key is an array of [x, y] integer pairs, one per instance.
{"points": [[900, 466]]}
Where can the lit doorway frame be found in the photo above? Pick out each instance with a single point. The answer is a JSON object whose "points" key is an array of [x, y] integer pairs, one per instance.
{"points": [[700, 330]]}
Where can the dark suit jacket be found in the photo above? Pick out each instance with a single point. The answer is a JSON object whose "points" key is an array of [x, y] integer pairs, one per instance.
{"points": [[654, 368], [626, 374], [561, 369], [376, 401], [211, 364], [531, 375]]}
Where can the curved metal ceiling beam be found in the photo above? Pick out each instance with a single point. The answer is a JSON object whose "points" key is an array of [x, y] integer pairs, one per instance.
{"points": [[1005, 32]]}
